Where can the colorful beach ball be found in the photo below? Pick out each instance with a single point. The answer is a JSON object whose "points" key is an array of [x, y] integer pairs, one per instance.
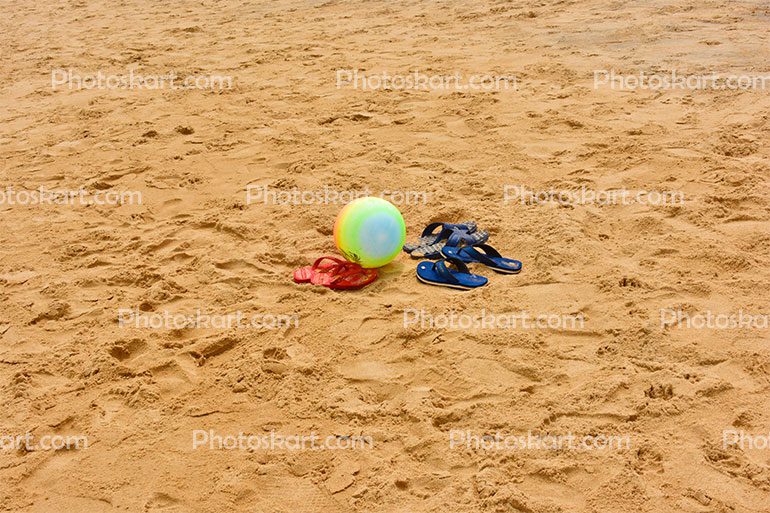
{"points": [[369, 231]]}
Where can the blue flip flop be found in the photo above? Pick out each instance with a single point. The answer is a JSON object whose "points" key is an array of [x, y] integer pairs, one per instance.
{"points": [[454, 236], [490, 257], [437, 273], [431, 236]]}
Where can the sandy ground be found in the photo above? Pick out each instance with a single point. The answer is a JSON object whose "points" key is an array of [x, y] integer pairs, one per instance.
{"points": [[351, 367]]}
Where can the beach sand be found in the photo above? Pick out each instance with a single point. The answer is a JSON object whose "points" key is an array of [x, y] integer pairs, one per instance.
{"points": [[355, 365]]}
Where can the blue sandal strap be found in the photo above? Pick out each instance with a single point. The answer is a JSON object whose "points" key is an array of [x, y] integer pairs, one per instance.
{"points": [[459, 236], [468, 226], [461, 267], [445, 273], [430, 229], [485, 257]]}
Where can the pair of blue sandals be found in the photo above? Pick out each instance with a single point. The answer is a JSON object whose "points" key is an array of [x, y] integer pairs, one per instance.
{"points": [[459, 244]]}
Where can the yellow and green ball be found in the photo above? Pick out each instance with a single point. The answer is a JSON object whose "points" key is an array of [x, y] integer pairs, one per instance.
{"points": [[369, 231]]}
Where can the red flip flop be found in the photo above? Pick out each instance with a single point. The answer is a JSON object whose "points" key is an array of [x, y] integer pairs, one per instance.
{"points": [[354, 278], [335, 273], [329, 275], [305, 274]]}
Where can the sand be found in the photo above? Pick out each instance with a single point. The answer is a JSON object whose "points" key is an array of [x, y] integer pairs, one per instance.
{"points": [[350, 366]]}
